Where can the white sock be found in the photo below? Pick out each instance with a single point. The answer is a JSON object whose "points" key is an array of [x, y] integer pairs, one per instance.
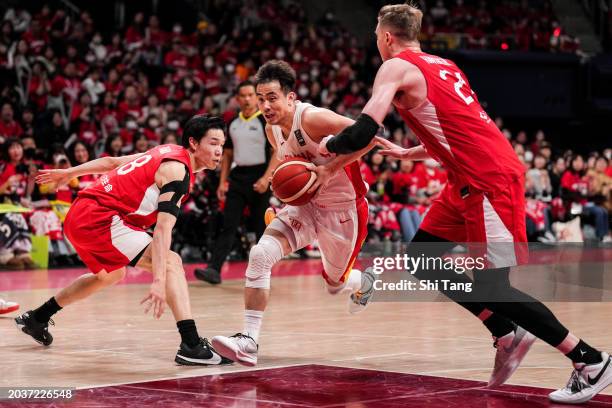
{"points": [[353, 282], [252, 323]]}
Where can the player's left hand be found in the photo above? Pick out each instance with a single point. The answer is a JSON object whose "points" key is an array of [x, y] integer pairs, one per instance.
{"points": [[261, 185], [156, 299], [323, 145], [58, 177], [323, 173]]}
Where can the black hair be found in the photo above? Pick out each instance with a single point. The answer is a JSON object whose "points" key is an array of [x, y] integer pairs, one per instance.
{"points": [[276, 70], [244, 84], [198, 126], [109, 141]]}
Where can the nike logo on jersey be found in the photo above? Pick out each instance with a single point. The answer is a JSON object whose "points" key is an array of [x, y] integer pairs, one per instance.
{"points": [[345, 221], [593, 381]]}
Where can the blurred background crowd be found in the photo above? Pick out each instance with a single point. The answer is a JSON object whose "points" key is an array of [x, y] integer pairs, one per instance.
{"points": [[71, 92]]}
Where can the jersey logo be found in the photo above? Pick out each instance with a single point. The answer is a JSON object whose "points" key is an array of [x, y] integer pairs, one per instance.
{"points": [[299, 137], [295, 224], [165, 149]]}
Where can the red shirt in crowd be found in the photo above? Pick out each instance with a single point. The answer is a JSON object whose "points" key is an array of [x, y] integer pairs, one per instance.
{"points": [[10, 129]]}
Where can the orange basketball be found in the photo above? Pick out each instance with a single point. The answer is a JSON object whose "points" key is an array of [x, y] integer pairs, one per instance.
{"points": [[292, 179]]}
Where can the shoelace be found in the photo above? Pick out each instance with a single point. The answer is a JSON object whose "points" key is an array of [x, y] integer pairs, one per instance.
{"points": [[242, 335], [204, 341], [575, 383], [245, 336]]}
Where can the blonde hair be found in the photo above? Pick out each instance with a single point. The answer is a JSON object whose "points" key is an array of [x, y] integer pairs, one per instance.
{"points": [[402, 20]]}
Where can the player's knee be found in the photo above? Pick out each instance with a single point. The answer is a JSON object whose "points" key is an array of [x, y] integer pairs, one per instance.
{"points": [[111, 278], [174, 262], [262, 257]]}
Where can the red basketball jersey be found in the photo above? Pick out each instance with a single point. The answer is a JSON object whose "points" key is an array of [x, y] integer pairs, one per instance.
{"points": [[131, 190], [455, 129]]}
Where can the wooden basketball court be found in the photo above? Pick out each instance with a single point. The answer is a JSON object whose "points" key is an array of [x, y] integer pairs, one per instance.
{"points": [[312, 352]]}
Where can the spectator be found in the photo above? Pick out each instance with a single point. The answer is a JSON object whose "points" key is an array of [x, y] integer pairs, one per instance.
{"points": [[575, 188], [113, 146], [141, 143], [9, 128], [537, 181], [10, 179]]}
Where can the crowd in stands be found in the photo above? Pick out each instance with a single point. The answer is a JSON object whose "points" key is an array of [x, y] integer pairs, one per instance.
{"points": [[522, 25], [68, 94]]}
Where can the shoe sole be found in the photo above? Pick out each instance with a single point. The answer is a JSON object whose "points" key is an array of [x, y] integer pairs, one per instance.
{"points": [[193, 362], [9, 309], [23, 329], [523, 347], [229, 352]]}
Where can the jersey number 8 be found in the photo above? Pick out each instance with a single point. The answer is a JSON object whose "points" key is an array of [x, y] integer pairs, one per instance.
{"points": [[139, 162]]}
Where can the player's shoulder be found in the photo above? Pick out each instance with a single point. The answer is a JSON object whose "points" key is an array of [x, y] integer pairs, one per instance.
{"points": [[172, 170]]}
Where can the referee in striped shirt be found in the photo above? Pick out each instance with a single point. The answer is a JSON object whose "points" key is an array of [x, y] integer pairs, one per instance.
{"points": [[247, 146]]}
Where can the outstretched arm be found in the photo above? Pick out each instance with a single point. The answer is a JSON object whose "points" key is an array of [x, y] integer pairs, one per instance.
{"points": [[391, 76], [97, 166]]}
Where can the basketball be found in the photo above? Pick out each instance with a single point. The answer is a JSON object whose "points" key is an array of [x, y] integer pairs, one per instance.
{"points": [[292, 179]]}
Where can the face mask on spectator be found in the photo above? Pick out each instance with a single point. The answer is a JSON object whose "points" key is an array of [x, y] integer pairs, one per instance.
{"points": [[209, 62], [131, 125], [153, 123], [229, 68], [280, 54], [528, 156], [314, 73], [303, 91], [173, 125]]}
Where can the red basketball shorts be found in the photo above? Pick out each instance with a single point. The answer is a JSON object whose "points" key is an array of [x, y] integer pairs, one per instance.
{"points": [[101, 237], [463, 214]]}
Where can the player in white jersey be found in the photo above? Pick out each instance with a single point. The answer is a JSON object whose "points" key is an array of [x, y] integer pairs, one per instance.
{"points": [[336, 216]]}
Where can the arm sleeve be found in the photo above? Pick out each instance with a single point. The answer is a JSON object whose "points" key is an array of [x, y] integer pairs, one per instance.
{"points": [[354, 137]]}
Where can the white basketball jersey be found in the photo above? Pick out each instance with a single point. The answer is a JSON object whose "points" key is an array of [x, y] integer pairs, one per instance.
{"points": [[343, 187]]}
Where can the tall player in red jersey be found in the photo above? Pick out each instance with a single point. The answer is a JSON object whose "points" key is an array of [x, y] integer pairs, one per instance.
{"points": [[483, 201], [107, 226]]}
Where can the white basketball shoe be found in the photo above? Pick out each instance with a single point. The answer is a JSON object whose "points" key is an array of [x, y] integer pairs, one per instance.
{"points": [[585, 382], [240, 348]]}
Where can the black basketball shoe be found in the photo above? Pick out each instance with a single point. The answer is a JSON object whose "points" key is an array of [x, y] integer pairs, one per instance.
{"points": [[200, 354], [209, 275], [30, 326]]}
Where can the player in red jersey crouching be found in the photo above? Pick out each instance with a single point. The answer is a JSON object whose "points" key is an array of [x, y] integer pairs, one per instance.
{"points": [[107, 226]]}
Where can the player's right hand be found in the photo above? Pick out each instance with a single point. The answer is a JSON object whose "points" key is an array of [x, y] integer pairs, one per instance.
{"points": [[156, 299], [221, 191], [55, 176], [392, 150]]}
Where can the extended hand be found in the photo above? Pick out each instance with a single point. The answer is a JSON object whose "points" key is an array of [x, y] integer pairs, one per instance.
{"points": [[392, 150], [156, 298], [55, 176]]}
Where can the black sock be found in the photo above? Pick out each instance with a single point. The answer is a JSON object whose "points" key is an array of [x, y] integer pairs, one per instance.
{"points": [[583, 353], [189, 332], [499, 326], [46, 310]]}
